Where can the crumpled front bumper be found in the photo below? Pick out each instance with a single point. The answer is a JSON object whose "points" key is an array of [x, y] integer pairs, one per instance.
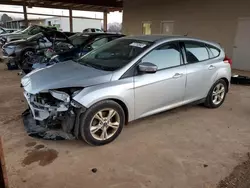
{"points": [[34, 129], [42, 121]]}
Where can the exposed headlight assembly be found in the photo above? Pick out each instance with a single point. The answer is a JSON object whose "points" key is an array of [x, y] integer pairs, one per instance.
{"points": [[60, 95]]}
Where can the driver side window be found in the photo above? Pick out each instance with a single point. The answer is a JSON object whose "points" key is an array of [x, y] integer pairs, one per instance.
{"points": [[165, 56]]}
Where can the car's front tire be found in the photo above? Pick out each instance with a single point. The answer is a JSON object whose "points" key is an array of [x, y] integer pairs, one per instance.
{"points": [[217, 94], [102, 123]]}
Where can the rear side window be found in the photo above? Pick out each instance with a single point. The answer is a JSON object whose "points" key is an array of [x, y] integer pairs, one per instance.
{"points": [[215, 52], [196, 52]]}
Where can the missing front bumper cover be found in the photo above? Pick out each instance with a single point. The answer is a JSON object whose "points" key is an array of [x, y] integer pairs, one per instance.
{"points": [[35, 129]]}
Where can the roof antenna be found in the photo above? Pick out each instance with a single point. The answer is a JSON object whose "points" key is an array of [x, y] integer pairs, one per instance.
{"points": [[186, 34]]}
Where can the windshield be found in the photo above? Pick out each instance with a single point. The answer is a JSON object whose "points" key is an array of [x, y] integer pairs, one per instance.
{"points": [[2, 31], [35, 37], [115, 54], [78, 39], [26, 30]]}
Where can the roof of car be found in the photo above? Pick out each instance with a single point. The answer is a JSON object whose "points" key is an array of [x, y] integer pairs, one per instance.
{"points": [[86, 33], [155, 38]]}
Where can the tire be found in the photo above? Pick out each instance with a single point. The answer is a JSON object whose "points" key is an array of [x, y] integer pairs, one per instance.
{"points": [[26, 54], [91, 120], [210, 99]]}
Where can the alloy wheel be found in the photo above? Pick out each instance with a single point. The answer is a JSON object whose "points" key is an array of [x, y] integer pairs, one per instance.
{"points": [[104, 124], [218, 93]]}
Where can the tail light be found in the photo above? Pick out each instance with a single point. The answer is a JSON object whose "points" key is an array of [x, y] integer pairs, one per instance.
{"points": [[228, 60]]}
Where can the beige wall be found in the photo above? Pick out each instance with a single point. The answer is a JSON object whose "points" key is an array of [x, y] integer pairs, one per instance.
{"points": [[214, 20]]}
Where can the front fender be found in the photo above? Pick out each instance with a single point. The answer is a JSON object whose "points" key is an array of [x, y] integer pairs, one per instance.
{"points": [[122, 90]]}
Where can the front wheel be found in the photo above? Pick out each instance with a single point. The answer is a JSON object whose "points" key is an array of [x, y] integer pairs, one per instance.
{"points": [[26, 59], [217, 94], [102, 123]]}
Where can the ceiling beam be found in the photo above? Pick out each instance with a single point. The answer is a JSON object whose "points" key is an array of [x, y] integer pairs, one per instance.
{"points": [[49, 15], [106, 3], [84, 5]]}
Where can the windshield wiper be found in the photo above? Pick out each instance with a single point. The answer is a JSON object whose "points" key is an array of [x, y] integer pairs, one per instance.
{"points": [[93, 66]]}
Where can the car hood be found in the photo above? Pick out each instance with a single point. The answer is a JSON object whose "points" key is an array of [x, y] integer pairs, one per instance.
{"points": [[63, 75], [16, 42], [10, 36]]}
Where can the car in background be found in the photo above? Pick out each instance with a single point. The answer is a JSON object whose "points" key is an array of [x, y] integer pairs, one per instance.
{"points": [[29, 31], [6, 30], [86, 42], [92, 30], [11, 30], [69, 34], [124, 80], [16, 51], [83, 43]]}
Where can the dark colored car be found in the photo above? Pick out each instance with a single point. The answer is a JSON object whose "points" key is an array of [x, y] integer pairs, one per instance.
{"points": [[28, 32], [18, 50], [69, 34], [84, 43], [6, 30]]}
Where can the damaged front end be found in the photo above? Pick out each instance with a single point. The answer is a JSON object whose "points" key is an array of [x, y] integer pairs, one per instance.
{"points": [[53, 115]]}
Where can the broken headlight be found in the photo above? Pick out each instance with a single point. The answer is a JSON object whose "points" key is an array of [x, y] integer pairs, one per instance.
{"points": [[60, 95]]}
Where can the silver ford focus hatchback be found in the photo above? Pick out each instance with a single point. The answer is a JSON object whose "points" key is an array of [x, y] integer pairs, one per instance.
{"points": [[127, 79]]}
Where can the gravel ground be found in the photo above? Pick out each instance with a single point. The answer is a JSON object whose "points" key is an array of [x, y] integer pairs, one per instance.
{"points": [[191, 147]]}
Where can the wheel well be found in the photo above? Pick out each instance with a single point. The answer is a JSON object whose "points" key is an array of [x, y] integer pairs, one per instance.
{"points": [[27, 49], [227, 82], [124, 107]]}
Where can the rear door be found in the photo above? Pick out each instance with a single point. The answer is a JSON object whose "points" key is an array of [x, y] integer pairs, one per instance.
{"points": [[200, 70]]}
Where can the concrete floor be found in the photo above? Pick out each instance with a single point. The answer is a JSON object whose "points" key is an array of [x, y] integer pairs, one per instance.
{"points": [[189, 147]]}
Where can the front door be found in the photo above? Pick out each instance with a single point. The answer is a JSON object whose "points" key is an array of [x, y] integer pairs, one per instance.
{"points": [[165, 88]]}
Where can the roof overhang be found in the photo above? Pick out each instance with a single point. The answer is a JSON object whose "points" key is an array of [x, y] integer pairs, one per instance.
{"points": [[86, 5]]}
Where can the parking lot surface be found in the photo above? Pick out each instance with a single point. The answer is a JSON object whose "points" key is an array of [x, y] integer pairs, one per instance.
{"points": [[191, 146]]}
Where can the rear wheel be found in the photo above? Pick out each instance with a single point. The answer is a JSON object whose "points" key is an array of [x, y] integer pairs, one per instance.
{"points": [[102, 123], [217, 94]]}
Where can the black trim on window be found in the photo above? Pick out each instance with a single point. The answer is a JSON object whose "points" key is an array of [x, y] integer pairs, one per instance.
{"points": [[210, 51], [132, 71], [194, 42]]}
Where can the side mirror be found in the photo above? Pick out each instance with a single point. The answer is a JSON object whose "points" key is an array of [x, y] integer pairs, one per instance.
{"points": [[147, 67]]}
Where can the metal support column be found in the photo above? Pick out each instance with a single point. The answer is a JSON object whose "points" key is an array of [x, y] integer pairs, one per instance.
{"points": [[105, 21], [70, 20], [25, 16]]}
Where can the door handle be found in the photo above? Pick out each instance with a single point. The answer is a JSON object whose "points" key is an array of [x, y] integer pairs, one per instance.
{"points": [[177, 75], [211, 67]]}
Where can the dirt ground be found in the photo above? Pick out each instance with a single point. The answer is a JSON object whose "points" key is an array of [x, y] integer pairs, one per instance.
{"points": [[189, 147]]}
